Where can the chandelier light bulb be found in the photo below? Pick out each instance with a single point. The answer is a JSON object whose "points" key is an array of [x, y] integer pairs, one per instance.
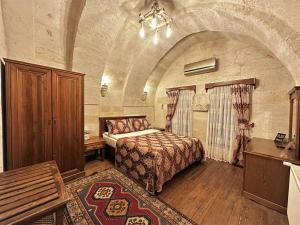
{"points": [[168, 31], [153, 22], [142, 31], [156, 38]]}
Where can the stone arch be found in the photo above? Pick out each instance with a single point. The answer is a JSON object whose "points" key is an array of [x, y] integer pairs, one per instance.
{"points": [[272, 32]]}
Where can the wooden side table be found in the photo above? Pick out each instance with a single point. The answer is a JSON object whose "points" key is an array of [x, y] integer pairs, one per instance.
{"points": [[32, 192], [95, 143]]}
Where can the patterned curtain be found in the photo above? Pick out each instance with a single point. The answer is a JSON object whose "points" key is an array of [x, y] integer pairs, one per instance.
{"points": [[171, 107], [241, 94], [221, 127], [182, 124]]}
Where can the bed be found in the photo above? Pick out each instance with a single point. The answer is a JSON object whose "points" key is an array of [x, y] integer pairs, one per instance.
{"points": [[151, 157]]}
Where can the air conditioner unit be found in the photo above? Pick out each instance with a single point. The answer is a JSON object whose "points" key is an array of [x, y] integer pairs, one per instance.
{"points": [[205, 66]]}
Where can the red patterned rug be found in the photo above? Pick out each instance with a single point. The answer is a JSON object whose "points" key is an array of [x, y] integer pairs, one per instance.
{"points": [[111, 198]]}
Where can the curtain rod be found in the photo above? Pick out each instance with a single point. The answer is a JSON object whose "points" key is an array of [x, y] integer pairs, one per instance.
{"points": [[250, 81], [191, 87]]}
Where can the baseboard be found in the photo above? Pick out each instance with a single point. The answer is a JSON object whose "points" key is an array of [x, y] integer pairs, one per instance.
{"points": [[265, 202]]}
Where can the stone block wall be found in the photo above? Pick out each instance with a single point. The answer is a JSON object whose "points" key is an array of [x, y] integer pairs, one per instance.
{"points": [[238, 59], [3, 53]]}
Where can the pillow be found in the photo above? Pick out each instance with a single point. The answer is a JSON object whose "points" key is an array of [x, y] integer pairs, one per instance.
{"points": [[119, 126], [139, 124]]}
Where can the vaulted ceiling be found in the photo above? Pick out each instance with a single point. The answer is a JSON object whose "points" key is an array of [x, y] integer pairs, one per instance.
{"points": [[99, 37]]}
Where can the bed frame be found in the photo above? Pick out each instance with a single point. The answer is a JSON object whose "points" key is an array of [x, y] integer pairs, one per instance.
{"points": [[102, 121]]}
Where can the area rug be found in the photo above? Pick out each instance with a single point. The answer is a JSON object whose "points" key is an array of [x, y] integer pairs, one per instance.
{"points": [[110, 198]]}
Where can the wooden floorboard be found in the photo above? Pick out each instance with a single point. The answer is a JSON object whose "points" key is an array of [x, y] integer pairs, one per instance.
{"points": [[210, 194]]}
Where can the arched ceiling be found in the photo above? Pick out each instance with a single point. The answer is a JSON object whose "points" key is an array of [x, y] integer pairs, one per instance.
{"points": [[100, 37]]}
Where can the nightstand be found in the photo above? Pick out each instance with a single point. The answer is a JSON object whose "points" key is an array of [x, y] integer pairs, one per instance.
{"points": [[95, 143]]}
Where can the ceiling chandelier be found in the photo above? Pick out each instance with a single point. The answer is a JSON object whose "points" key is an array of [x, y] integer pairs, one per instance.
{"points": [[154, 20]]}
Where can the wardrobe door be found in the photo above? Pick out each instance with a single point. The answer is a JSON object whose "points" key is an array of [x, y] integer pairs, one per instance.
{"points": [[28, 115], [67, 98]]}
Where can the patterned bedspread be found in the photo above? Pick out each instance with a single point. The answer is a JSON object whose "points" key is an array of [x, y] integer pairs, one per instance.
{"points": [[155, 158]]}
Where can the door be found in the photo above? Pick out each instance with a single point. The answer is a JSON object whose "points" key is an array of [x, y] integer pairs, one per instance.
{"points": [[28, 114], [67, 102]]}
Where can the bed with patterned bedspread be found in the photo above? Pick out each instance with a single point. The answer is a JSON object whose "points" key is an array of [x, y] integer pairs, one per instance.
{"points": [[155, 158]]}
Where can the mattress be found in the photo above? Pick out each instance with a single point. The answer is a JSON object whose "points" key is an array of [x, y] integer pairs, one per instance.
{"points": [[111, 139]]}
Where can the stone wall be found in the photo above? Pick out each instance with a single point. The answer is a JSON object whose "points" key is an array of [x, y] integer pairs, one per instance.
{"points": [[3, 53], [238, 59], [3, 50]]}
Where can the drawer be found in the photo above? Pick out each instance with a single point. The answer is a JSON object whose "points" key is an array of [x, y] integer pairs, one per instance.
{"points": [[94, 146]]}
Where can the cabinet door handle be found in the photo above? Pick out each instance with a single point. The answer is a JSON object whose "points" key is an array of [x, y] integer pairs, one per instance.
{"points": [[54, 121], [49, 122]]}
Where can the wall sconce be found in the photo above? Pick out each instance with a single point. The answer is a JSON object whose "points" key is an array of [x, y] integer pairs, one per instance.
{"points": [[144, 96], [104, 85]]}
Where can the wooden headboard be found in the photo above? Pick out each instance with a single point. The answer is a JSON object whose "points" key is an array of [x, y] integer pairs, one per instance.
{"points": [[102, 121]]}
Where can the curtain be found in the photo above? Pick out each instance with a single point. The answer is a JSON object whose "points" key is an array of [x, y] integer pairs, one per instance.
{"points": [[241, 94], [171, 107], [221, 125], [182, 120]]}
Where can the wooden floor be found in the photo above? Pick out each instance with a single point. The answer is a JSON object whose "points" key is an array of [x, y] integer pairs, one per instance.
{"points": [[210, 194]]}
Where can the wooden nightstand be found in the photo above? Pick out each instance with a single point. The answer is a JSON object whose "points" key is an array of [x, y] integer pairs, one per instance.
{"points": [[95, 143]]}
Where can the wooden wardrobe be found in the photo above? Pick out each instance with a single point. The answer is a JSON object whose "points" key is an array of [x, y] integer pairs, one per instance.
{"points": [[44, 116]]}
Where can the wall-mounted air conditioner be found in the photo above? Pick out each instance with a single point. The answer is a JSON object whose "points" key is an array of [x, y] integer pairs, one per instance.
{"points": [[205, 66]]}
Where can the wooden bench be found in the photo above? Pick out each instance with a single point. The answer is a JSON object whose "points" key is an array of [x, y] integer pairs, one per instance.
{"points": [[29, 193]]}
